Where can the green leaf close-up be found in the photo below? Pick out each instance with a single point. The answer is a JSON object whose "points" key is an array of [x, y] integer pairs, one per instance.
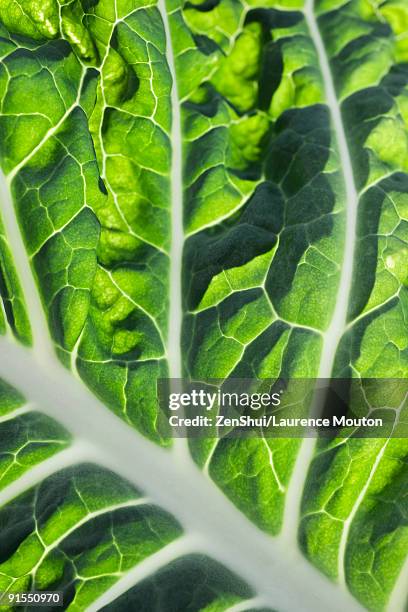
{"points": [[201, 190]]}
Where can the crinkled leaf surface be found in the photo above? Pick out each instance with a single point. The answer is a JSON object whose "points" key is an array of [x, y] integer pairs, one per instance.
{"points": [[212, 189]]}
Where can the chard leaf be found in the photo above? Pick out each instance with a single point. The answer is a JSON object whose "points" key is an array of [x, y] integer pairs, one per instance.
{"points": [[214, 190]]}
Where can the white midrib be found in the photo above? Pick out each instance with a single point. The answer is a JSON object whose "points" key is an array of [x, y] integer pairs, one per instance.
{"points": [[281, 577], [338, 323]]}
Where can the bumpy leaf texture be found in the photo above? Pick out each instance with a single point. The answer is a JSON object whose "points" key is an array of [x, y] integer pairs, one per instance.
{"points": [[276, 134]]}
